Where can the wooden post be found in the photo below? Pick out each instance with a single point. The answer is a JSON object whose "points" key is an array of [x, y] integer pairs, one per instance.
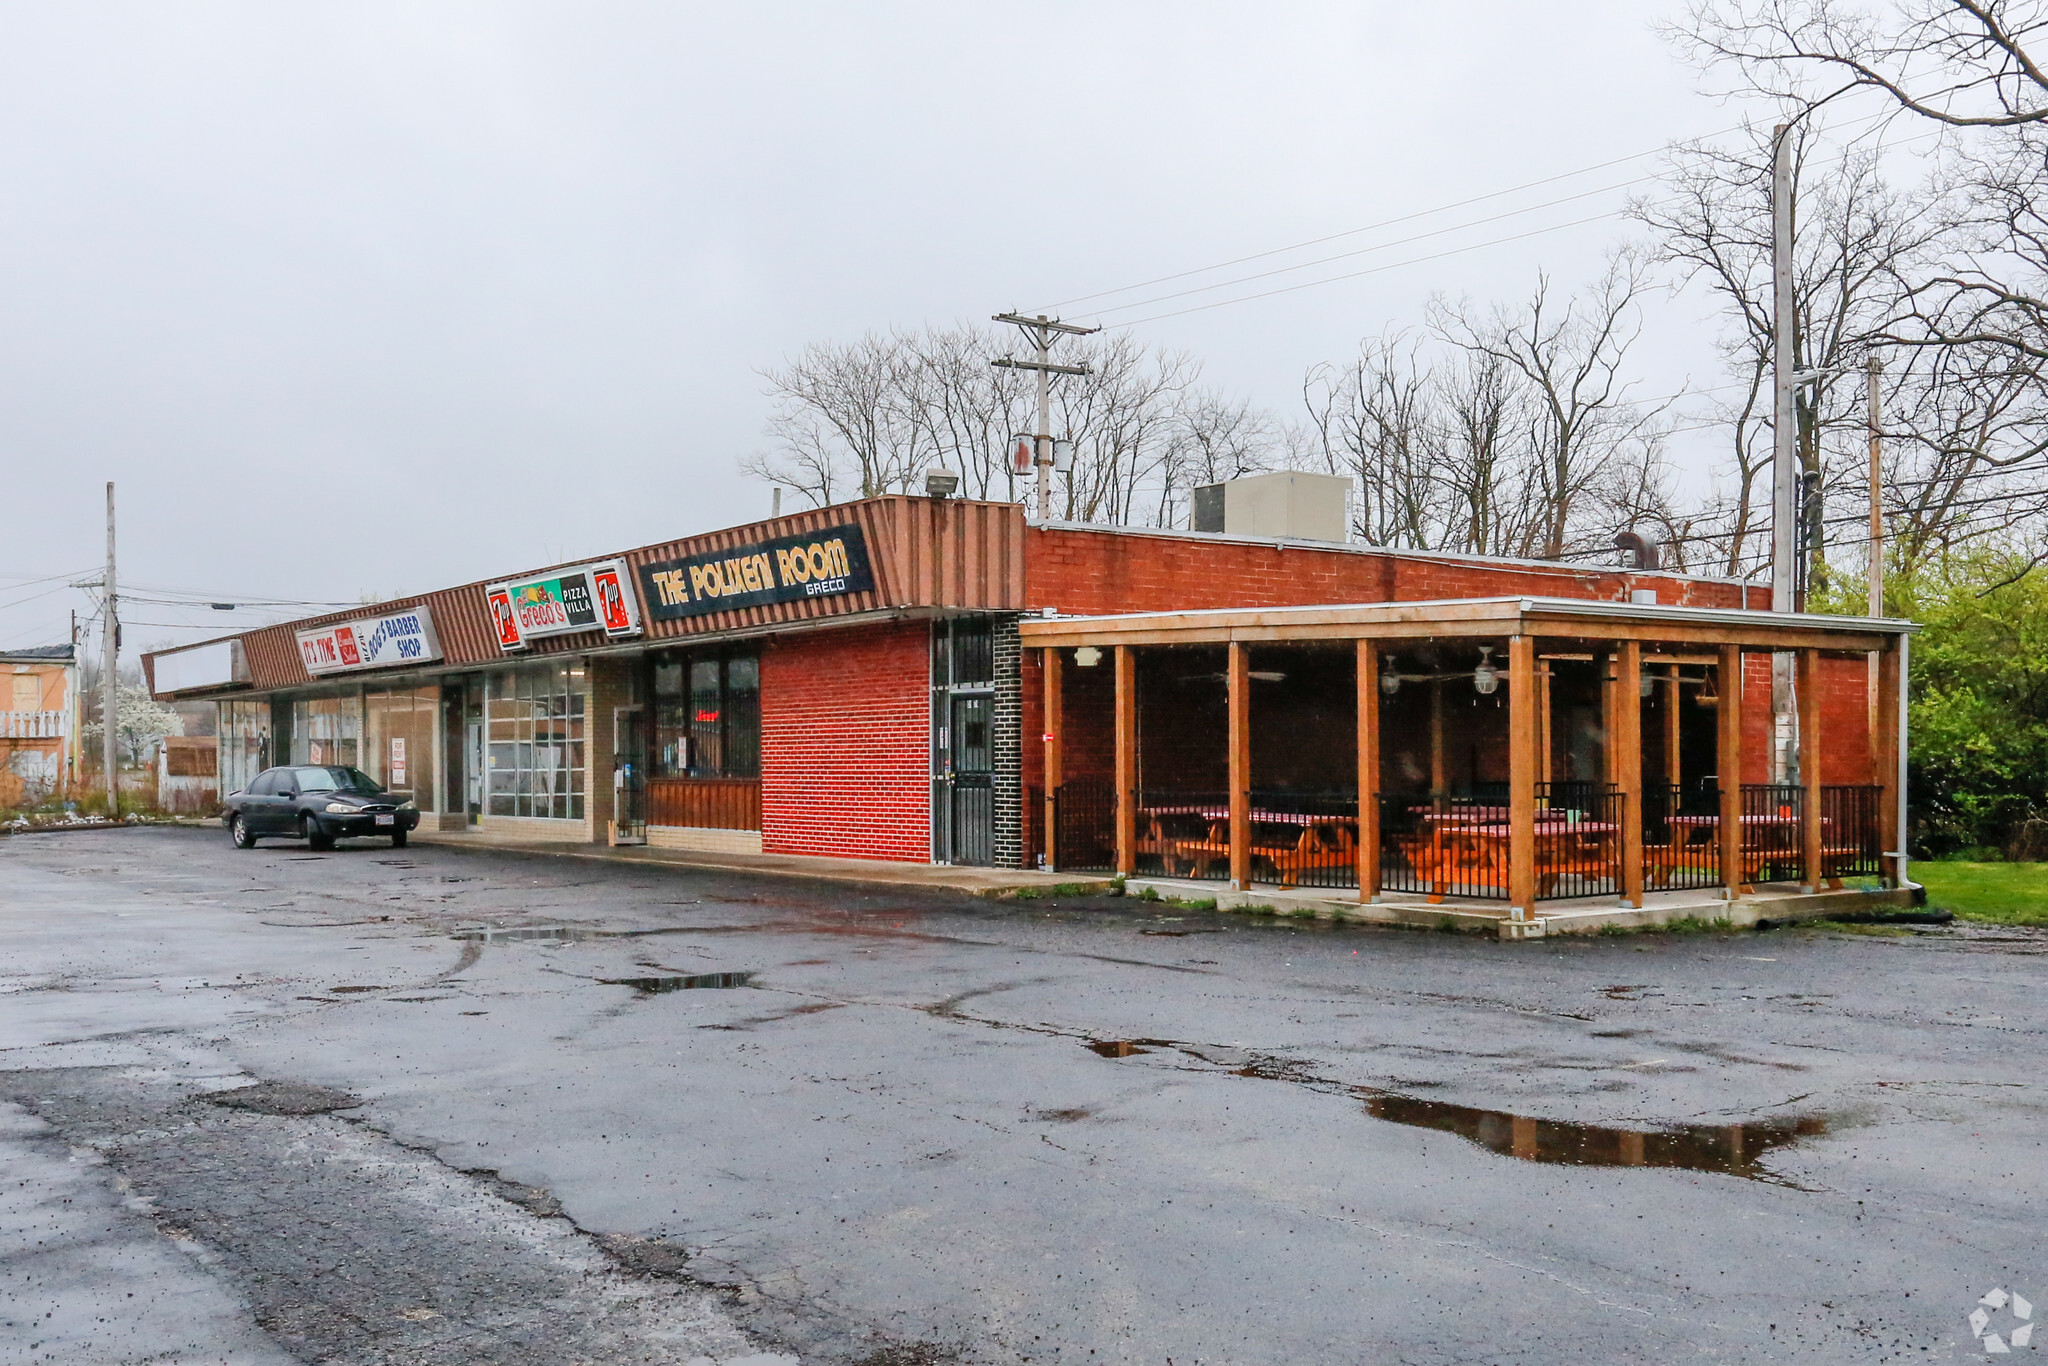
{"points": [[1809, 765], [1439, 779], [1368, 770], [1625, 741], [1522, 777], [1885, 756], [1240, 766], [1672, 694], [1728, 765], [1126, 760], [1054, 726], [1544, 746]]}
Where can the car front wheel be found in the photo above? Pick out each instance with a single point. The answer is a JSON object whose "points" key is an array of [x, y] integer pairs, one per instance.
{"points": [[313, 835], [245, 838], [398, 839]]}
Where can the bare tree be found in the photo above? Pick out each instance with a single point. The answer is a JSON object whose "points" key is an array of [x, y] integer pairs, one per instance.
{"points": [[1373, 419], [1570, 355], [1857, 238]]}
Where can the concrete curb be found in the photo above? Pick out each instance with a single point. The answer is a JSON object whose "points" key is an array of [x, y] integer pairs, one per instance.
{"points": [[990, 883]]}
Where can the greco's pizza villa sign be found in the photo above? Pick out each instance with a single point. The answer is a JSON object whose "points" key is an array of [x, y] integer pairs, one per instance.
{"points": [[584, 598], [385, 642], [788, 569]]}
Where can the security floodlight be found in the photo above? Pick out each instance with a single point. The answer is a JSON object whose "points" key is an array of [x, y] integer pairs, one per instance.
{"points": [[940, 482]]}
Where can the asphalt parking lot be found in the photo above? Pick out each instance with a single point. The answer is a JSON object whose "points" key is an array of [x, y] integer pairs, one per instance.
{"points": [[518, 1108]]}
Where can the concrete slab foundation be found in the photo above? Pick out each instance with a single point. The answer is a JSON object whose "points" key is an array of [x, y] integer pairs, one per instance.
{"points": [[1590, 915]]}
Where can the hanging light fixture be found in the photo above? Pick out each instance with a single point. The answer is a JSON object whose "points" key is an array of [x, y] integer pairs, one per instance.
{"points": [[1646, 683], [1390, 679], [1485, 678]]}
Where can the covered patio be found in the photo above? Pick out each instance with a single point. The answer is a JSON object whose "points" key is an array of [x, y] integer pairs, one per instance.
{"points": [[1483, 755]]}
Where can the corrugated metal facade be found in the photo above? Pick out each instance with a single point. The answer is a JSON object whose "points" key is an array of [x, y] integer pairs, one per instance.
{"points": [[926, 554]]}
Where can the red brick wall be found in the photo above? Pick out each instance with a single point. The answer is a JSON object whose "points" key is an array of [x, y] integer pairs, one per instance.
{"points": [[1088, 572], [846, 743]]}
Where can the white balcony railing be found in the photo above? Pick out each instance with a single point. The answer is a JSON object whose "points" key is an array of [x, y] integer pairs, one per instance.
{"points": [[31, 725]]}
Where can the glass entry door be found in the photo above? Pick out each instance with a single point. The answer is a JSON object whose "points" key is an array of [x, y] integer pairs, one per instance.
{"points": [[971, 780], [629, 776]]}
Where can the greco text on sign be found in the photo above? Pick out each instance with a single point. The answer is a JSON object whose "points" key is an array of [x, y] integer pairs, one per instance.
{"points": [[789, 569], [371, 643]]}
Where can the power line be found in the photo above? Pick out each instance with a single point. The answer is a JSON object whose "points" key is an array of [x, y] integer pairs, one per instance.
{"points": [[1382, 246], [1375, 270]]}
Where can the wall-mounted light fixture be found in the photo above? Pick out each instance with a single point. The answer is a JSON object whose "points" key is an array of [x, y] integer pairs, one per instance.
{"points": [[1087, 656]]}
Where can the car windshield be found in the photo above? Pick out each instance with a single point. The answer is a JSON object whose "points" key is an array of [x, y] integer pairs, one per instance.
{"points": [[334, 779]]}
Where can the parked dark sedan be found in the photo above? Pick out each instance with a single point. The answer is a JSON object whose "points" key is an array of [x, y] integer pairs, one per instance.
{"points": [[317, 803]]}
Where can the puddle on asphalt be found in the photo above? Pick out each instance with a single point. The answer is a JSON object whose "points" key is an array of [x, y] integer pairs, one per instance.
{"points": [[698, 981], [1124, 1048], [560, 934], [1733, 1149]]}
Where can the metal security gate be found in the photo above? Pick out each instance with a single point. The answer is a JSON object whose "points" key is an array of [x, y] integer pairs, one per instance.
{"points": [[963, 742]]}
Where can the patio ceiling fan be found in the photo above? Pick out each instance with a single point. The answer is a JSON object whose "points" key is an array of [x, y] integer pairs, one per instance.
{"points": [[1262, 675]]}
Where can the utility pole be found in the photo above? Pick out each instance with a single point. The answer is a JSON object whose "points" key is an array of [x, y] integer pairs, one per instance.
{"points": [[1784, 447], [111, 657], [1043, 332], [1872, 369]]}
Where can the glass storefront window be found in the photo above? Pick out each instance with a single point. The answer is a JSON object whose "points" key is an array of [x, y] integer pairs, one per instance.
{"points": [[327, 730], [534, 737], [244, 742], [398, 740], [707, 717]]}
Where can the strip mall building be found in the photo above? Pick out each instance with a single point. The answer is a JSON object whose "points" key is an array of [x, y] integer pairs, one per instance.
{"points": [[935, 680]]}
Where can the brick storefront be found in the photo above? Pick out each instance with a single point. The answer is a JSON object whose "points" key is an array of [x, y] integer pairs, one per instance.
{"points": [[846, 743]]}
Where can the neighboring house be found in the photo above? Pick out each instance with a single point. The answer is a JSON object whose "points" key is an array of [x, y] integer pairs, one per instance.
{"points": [[38, 724], [188, 768]]}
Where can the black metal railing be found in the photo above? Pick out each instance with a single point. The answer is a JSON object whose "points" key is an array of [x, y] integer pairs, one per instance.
{"points": [[1084, 826], [1031, 826], [1773, 842], [1183, 832], [1578, 840], [1681, 837], [1439, 847], [1851, 832], [1305, 839]]}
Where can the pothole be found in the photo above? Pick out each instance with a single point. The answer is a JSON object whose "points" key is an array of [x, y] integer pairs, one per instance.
{"points": [[285, 1098]]}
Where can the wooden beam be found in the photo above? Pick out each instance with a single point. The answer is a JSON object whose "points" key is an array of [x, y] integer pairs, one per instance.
{"points": [[1054, 774], [1522, 776], [1240, 683], [1728, 767], [1368, 770], [1126, 760], [1809, 764], [1885, 749], [1625, 740]]}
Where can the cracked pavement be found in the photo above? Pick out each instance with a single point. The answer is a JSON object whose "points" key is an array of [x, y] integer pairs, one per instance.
{"points": [[533, 1109]]}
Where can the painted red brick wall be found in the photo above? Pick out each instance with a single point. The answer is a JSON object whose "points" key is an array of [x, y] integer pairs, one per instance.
{"points": [[846, 743], [1088, 572]]}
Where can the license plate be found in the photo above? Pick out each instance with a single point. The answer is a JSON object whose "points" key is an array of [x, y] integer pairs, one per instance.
{"points": [[386, 820]]}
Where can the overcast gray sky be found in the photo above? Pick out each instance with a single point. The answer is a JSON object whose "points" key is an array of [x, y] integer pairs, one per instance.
{"points": [[375, 298]]}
